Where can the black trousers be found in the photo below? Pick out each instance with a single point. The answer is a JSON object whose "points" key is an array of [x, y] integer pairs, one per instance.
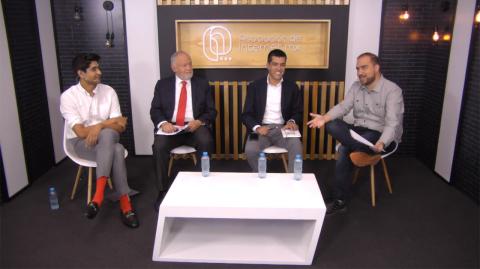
{"points": [[201, 140]]}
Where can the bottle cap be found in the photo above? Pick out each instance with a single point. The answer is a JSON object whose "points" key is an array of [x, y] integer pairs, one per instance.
{"points": [[51, 189], [262, 154], [205, 153], [298, 156]]}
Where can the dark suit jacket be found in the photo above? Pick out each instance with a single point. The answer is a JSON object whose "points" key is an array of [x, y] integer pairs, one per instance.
{"points": [[256, 100], [163, 102]]}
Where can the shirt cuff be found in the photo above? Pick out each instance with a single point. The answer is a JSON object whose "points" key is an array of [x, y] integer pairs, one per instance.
{"points": [[255, 128], [160, 124]]}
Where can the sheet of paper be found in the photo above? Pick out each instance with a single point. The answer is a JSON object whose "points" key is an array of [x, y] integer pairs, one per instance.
{"points": [[290, 133], [179, 129], [360, 139]]}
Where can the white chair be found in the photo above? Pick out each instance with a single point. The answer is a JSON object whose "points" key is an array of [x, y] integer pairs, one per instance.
{"points": [[68, 148], [372, 174], [274, 150], [181, 152]]}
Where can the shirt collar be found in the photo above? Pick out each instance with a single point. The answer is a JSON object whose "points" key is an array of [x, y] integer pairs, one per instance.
{"points": [[82, 89], [179, 80], [268, 82]]}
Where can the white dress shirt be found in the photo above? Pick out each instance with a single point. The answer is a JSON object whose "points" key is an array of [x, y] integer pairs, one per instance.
{"points": [[78, 107], [273, 106]]}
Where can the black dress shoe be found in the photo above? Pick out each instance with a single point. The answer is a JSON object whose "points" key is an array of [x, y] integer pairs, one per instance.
{"points": [[130, 219], [337, 206], [92, 210], [159, 200]]}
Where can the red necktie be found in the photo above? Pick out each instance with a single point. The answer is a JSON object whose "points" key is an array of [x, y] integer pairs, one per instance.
{"points": [[182, 104]]}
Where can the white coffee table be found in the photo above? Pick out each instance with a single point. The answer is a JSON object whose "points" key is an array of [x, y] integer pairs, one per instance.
{"points": [[240, 218]]}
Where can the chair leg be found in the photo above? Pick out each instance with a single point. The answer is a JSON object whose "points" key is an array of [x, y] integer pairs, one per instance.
{"points": [[194, 158], [77, 179], [170, 162], [110, 183], [89, 192], [355, 175], [387, 178], [284, 159], [372, 183]]}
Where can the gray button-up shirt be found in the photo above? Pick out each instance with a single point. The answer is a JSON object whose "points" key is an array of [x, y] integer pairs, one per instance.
{"points": [[380, 109]]}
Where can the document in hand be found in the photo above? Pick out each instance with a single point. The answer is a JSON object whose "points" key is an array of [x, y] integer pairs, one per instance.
{"points": [[360, 139], [291, 133], [178, 130]]}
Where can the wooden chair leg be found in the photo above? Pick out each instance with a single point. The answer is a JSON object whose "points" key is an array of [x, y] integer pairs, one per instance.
{"points": [[194, 158], [170, 162], [284, 159], [355, 175], [372, 183], [89, 192], [110, 183], [77, 179], [387, 178]]}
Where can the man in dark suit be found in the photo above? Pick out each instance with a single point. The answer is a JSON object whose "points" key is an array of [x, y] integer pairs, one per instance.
{"points": [[180, 100], [272, 103]]}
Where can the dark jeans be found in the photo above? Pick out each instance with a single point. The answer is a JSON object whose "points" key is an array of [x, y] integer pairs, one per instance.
{"points": [[201, 140], [340, 130]]}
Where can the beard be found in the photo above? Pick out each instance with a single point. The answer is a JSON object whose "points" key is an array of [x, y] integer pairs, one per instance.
{"points": [[365, 81], [186, 76]]}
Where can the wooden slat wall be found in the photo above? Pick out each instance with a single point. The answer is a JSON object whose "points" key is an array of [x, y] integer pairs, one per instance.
{"points": [[230, 133]]}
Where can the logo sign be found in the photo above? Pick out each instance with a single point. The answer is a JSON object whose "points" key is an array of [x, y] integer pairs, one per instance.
{"points": [[217, 43], [246, 43]]}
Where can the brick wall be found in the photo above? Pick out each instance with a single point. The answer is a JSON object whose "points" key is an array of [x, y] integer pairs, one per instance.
{"points": [[412, 60], [466, 165], [88, 35], [27, 67]]}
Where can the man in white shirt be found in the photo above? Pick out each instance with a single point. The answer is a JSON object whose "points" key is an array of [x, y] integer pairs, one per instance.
{"points": [[377, 105], [92, 114], [272, 103]]}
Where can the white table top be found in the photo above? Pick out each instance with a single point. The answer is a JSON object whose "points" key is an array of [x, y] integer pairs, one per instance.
{"points": [[243, 195]]}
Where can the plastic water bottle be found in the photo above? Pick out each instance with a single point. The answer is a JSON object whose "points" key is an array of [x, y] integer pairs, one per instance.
{"points": [[262, 165], [52, 196], [297, 167], [205, 164]]}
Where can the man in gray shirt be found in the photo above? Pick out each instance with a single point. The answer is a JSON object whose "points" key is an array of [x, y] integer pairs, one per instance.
{"points": [[377, 105]]}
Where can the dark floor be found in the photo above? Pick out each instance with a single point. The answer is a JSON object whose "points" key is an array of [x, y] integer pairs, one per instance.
{"points": [[425, 223]]}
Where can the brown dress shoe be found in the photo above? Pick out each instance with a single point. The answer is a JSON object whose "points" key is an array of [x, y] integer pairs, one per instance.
{"points": [[362, 159]]}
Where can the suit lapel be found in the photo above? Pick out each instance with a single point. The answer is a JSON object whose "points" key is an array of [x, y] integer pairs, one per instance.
{"points": [[263, 97]]}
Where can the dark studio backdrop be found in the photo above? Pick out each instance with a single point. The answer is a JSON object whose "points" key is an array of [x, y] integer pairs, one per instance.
{"points": [[408, 55]]}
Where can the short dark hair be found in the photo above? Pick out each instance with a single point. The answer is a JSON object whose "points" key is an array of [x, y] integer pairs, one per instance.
{"points": [[373, 58], [276, 53], [82, 61]]}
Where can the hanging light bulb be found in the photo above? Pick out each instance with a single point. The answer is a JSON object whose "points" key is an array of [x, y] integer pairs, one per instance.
{"points": [[108, 42], [446, 35], [77, 15], [404, 15], [477, 16], [435, 36]]}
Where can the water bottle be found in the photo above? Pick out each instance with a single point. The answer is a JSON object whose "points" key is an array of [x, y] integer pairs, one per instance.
{"points": [[52, 196], [297, 167], [262, 165], [205, 164]]}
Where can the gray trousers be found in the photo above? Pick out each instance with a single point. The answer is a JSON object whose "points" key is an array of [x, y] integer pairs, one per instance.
{"points": [[109, 155], [274, 137]]}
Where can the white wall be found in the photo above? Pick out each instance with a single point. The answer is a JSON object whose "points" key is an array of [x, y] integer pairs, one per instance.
{"points": [[10, 136], [144, 68], [50, 69], [364, 26], [457, 68]]}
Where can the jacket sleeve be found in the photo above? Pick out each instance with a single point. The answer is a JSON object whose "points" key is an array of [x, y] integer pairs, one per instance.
{"points": [[297, 99], [156, 111], [249, 112]]}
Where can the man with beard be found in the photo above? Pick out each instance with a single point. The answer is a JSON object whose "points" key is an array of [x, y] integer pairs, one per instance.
{"points": [[180, 100], [272, 103], [377, 105], [94, 120]]}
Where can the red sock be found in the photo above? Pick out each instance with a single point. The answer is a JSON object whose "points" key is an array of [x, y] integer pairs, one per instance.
{"points": [[98, 197], [125, 204]]}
